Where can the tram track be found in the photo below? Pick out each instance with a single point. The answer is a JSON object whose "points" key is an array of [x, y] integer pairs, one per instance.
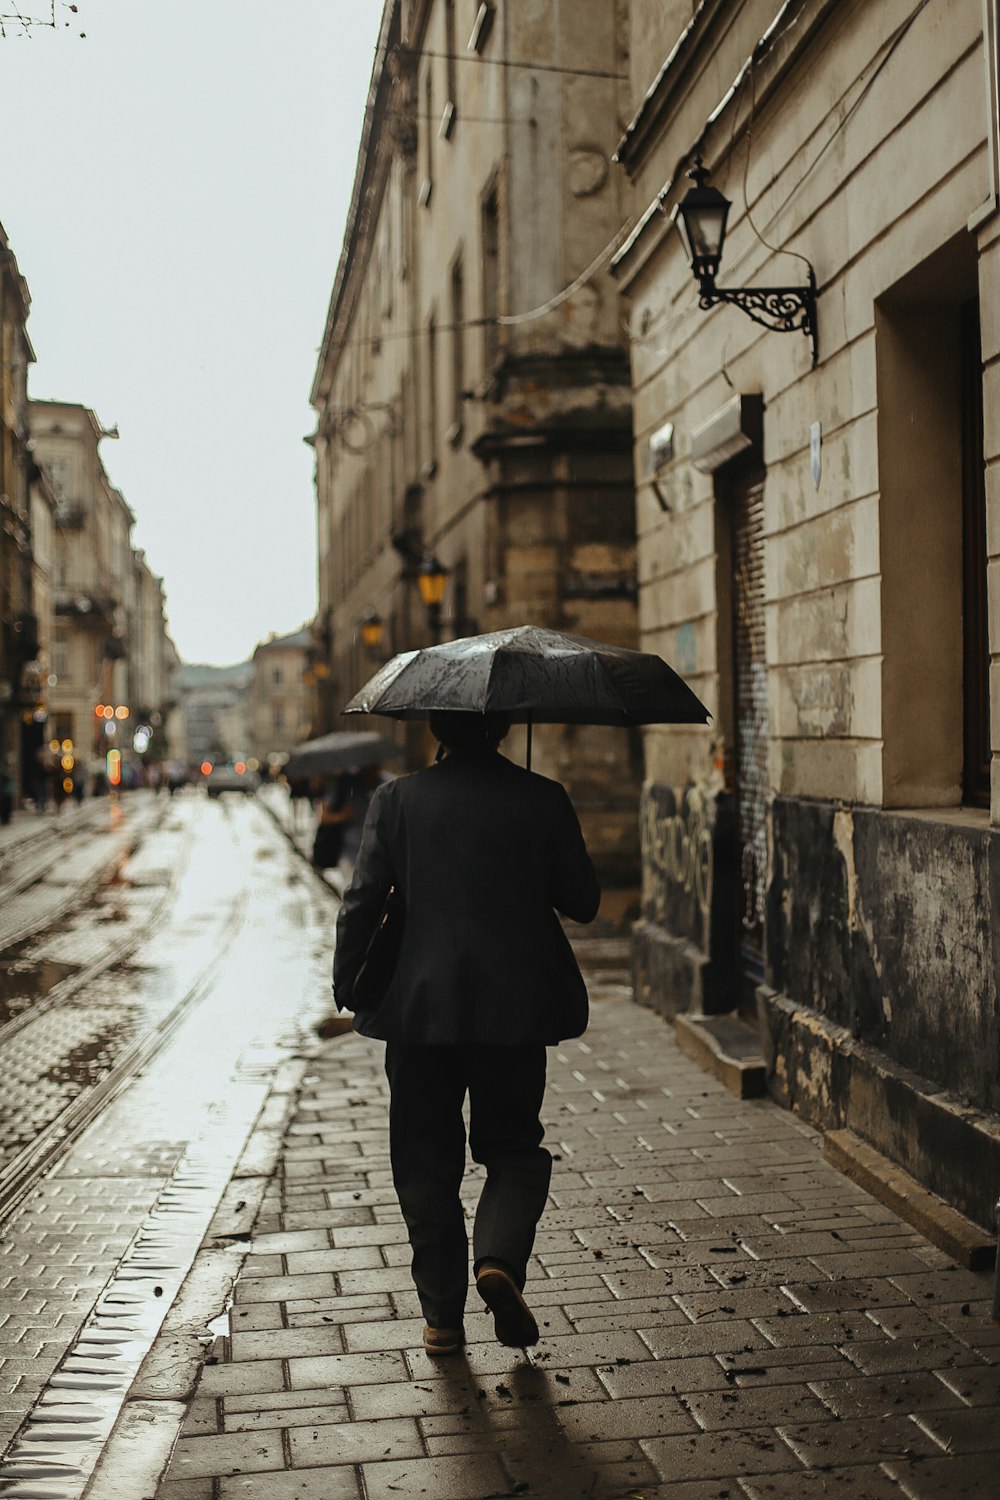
{"points": [[20, 1175], [27, 1165]]}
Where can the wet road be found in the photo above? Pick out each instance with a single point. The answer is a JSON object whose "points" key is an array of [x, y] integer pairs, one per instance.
{"points": [[139, 1036]]}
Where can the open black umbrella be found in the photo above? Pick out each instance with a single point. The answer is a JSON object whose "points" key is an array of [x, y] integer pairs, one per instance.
{"points": [[536, 676], [335, 752]]}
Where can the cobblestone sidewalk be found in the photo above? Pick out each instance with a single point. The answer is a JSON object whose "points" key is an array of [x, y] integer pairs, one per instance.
{"points": [[724, 1317]]}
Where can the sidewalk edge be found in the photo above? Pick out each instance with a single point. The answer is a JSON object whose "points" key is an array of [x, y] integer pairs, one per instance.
{"points": [[142, 1442]]}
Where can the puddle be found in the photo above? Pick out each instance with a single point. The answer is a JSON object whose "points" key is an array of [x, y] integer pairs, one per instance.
{"points": [[88, 1062], [24, 981]]}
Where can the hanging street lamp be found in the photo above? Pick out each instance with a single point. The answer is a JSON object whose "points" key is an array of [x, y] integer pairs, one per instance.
{"points": [[432, 576], [371, 629], [700, 218]]}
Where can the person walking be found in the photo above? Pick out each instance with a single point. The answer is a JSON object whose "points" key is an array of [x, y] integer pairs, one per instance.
{"points": [[482, 855]]}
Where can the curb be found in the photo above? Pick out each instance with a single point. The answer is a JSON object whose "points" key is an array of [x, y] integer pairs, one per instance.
{"points": [[943, 1225], [727, 1048]]}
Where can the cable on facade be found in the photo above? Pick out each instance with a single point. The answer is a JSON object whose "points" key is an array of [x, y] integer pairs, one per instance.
{"points": [[397, 49], [888, 48]]}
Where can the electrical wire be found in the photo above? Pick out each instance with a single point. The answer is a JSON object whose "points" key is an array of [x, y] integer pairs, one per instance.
{"points": [[878, 62], [398, 49]]}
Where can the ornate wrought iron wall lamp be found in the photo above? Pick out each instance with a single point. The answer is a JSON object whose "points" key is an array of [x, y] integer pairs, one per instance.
{"points": [[700, 218]]}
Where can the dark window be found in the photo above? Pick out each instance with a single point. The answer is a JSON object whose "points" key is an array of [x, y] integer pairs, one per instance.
{"points": [[457, 347], [976, 673], [491, 279], [450, 87], [432, 406]]}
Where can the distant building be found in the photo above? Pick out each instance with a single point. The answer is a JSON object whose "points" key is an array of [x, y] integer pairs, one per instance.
{"points": [[109, 635], [217, 714], [281, 708], [18, 623]]}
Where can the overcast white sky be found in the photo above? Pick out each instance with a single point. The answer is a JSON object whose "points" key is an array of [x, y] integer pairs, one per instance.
{"points": [[175, 188]]}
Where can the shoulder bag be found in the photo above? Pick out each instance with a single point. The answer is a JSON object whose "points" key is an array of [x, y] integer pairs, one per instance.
{"points": [[374, 977]]}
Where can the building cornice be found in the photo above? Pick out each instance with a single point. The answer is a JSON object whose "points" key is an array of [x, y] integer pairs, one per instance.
{"points": [[777, 52], [358, 219]]}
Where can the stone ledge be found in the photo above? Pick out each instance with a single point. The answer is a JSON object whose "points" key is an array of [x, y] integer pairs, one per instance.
{"points": [[727, 1048], [943, 1225]]}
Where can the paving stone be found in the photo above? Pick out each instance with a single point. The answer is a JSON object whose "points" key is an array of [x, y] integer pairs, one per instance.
{"points": [[722, 1455], [279, 1400], [355, 1442], [707, 1338], [346, 1369], [285, 1289], [286, 1416], [662, 1377], [970, 1431], [285, 1241], [472, 1478], [283, 1343], [186, 1489], [230, 1453], [304, 1484], [886, 1395], [256, 1317], [403, 1333], [770, 1405], [857, 1482], [233, 1379], [957, 1477], [858, 1440]]}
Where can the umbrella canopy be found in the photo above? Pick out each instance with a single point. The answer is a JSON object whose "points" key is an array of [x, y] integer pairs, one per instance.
{"points": [[335, 752], [536, 676]]}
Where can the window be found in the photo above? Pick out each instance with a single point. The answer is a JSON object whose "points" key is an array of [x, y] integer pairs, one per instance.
{"points": [[450, 91], [278, 716], [430, 465], [276, 674], [60, 654], [931, 536], [976, 664], [490, 233], [482, 26], [424, 196], [457, 350]]}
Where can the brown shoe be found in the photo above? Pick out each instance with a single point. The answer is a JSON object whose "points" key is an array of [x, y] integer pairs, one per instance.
{"points": [[513, 1322], [439, 1341]]}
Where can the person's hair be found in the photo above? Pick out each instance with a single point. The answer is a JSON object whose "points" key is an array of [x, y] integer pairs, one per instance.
{"points": [[468, 731]]}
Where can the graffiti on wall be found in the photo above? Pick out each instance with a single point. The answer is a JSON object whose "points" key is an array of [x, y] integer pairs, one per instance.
{"points": [[678, 844]]}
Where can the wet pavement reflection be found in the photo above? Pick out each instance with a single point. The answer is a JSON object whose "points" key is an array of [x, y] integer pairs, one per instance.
{"points": [[170, 1053]]}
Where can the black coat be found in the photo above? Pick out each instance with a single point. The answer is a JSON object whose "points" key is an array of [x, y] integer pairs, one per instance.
{"points": [[483, 853]]}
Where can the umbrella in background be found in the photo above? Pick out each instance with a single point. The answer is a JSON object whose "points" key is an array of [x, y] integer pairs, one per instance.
{"points": [[335, 752], [536, 676]]}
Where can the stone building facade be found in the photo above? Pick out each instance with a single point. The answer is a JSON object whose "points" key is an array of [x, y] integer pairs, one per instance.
{"points": [[110, 647], [819, 553], [18, 623], [472, 393], [281, 705]]}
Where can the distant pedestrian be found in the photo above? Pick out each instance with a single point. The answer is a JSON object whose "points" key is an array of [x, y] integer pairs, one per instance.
{"points": [[335, 812], [482, 855], [301, 792]]}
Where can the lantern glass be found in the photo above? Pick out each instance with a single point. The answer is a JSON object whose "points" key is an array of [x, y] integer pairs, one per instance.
{"points": [[431, 580], [701, 218], [371, 630]]}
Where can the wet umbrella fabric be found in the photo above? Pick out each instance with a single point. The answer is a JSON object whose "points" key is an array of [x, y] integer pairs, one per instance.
{"points": [[536, 676], [335, 752]]}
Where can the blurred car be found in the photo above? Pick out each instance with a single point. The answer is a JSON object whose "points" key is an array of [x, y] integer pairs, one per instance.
{"points": [[231, 776]]}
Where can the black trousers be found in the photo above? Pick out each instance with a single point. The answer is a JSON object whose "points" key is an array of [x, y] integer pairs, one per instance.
{"points": [[428, 1086]]}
